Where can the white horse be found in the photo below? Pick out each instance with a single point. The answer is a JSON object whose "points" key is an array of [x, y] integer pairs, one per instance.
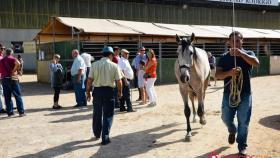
{"points": [[192, 71]]}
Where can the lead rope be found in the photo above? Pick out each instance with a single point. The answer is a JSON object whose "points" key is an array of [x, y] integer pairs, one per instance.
{"points": [[236, 81]]}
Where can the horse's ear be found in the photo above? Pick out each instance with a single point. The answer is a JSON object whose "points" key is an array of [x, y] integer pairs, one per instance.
{"points": [[178, 39], [192, 37]]}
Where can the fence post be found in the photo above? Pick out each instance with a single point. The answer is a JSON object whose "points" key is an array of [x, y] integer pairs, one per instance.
{"points": [[258, 54], [160, 61]]}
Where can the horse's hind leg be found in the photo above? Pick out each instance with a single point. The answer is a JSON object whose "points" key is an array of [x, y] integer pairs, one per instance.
{"points": [[193, 107]]}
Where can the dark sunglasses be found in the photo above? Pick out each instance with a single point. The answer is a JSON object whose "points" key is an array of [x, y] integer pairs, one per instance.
{"points": [[2, 48]]}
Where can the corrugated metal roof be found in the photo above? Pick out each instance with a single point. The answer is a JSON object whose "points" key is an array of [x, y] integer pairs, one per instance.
{"points": [[108, 26], [95, 25]]}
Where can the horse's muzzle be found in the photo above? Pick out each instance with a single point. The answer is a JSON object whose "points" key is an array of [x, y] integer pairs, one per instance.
{"points": [[184, 78]]}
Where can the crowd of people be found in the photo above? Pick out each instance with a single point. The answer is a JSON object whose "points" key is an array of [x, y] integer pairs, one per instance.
{"points": [[108, 81]]}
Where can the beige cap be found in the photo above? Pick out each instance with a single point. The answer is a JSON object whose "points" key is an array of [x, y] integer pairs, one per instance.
{"points": [[125, 51]]}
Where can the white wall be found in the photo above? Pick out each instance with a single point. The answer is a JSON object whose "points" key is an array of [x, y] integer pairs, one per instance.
{"points": [[274, 65], [26, 36]]}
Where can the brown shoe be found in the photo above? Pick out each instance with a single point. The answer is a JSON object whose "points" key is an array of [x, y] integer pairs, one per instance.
{"points": [[231, 138]]}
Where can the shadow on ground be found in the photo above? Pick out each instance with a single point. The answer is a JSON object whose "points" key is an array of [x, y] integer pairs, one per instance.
{"points": [[34, 88], [271, 122], [132, 144], [125, 145], [69, 111]]}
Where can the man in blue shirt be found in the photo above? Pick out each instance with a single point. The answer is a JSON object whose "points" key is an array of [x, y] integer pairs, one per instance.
{"points": [[141, 56], [226, 70]]}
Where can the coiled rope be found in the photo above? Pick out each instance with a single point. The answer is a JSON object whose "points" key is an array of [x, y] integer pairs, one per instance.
{"points": [[235, 89], [236, 81]]}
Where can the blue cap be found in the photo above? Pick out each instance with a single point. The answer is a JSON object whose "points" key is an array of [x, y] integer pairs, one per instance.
{"points": [[107, 50]]}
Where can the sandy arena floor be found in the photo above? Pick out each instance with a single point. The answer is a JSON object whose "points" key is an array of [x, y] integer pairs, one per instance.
{"points": [[150, 132]]}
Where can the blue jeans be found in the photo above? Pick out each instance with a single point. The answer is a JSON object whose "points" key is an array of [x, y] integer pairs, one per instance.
{"points": [[1, 104], [243, 118], [103, 111], [12, 87], [80, 92]]}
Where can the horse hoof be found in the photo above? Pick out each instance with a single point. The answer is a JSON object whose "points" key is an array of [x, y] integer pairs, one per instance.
{"points": [[194, 120], [188, 138], [202, 121]]}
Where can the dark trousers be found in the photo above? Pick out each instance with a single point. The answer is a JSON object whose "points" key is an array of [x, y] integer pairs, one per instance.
{"points": [[103, 111], [87, 72], [126, 96], [56, 94], [116, 97], [12, 87]]}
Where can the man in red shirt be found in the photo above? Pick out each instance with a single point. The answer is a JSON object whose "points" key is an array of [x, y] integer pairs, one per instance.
{"points": [[116, 56], [116, 59], [9, 67]]}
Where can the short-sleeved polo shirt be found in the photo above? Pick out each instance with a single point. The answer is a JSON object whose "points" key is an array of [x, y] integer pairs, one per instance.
{"points": [[104, 73]]}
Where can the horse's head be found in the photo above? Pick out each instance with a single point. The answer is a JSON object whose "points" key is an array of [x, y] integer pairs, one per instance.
{"points": [[185, 52]]}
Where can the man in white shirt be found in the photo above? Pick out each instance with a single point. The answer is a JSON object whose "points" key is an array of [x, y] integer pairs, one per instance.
{"points": [[125, 67], [78, 78], [88, 59]]}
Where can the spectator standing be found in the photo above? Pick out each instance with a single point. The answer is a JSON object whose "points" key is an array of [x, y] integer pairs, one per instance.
{"points": [[2, 110], [104, 74], [142, 82], [57, 74], [125, 67], [116, 58], [87, 59], [212, 63], [135, 81], [9, 67], [151, 76], [78, 78], [141, 57], [20, 72]]}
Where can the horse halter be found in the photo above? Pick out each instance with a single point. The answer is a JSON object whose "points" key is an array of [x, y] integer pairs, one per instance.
{"points": [[184, 46]]}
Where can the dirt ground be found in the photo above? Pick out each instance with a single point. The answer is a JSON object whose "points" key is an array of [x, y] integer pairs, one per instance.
{"points": [[150, 132]]}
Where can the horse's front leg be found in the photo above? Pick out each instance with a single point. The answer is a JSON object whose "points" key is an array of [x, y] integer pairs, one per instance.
{"points": [[187, 111]]}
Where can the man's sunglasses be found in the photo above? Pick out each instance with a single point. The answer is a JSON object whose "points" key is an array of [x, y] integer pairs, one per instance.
{"points": [[2, 48]]}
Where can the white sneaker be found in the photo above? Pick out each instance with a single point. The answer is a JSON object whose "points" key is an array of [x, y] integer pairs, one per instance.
{"points": [[152, 104]]}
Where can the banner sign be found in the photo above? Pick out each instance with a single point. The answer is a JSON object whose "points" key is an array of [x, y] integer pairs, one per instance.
{"points": [[252, 2]]}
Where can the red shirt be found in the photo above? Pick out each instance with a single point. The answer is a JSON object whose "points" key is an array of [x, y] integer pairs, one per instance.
{"points": [[7, 65], [116, 59], [153, 69]]}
